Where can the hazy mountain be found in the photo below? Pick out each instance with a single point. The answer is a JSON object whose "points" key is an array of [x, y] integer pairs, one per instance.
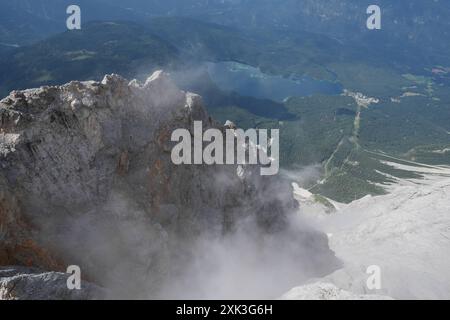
{"points": [[89, 53], [409, 28], [419, 26], [27, 21]]}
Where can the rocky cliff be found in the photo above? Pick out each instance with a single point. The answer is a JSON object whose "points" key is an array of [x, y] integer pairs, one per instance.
{"points": [[86, 179]]}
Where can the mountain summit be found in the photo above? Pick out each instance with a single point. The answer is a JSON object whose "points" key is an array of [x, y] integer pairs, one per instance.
{"points": [[86, 179]]}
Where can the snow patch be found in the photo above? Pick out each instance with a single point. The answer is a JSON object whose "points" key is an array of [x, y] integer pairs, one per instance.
{"points": [[326, 291], [406, 233]]}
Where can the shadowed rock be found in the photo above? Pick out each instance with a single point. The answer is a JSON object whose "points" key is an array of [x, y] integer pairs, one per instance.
{"points": [[19, 283]]}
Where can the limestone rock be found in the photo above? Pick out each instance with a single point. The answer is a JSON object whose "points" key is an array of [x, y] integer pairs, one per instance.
{"points": [[18, 283], [327, 291], [86, 179]]}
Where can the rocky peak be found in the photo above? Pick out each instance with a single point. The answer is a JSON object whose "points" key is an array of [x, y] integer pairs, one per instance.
{"points": [[86, 178]]}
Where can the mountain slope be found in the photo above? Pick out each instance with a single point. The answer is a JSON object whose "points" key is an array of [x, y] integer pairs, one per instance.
{"points": [[420, 26], [87, 54], [406, 233], [24, 22]]}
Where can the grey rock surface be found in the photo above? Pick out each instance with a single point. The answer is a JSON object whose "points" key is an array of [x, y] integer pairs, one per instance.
{"points": [[19, 283], [86, 179]]}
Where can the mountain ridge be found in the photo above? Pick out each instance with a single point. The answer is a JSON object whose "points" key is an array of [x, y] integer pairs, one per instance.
{"points": [[86, 178]]}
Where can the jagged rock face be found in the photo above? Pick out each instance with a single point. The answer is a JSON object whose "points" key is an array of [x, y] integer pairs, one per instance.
{"points": [[86, 178], [19, 283]]}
